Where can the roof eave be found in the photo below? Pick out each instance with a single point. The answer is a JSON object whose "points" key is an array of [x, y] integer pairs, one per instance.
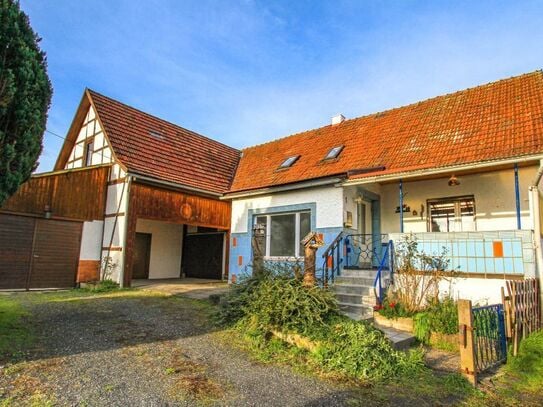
{"points": [[442, 170]]}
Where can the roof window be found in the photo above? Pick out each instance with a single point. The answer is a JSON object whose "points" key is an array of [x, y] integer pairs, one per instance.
{"points": [[289, 161], [156, 134], [333, 153]]}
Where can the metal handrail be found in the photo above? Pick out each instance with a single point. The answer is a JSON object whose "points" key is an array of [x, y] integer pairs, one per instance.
{"points": [[333, 251], [382, 265]]}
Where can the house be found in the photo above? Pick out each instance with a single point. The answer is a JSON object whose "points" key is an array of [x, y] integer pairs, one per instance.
{"points": [[131, 196], [460, 171], [134, 196]]}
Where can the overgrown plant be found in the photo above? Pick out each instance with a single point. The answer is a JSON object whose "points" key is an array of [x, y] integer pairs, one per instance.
{"points": [[418, 275], [440, 316]]}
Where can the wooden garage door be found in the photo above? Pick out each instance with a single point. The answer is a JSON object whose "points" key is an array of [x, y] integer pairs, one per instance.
{"points": [[16, 233], [45, 252]]}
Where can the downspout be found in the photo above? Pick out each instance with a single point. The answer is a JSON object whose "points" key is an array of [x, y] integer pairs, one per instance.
{"points": [[534, 198], [401, 206], [126, 221], [517, 198]]}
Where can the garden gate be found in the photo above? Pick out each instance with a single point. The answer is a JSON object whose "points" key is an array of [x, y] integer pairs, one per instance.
{"points": [[483, 343]]}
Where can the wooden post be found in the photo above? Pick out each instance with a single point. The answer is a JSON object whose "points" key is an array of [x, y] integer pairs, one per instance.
{"points": [[258, 243], [466, 342], [310, 279], [311, 242]]}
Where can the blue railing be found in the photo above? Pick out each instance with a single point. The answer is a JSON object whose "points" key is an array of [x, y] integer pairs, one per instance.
{"points": [[386, 263], [332, 260], [364, 250]]}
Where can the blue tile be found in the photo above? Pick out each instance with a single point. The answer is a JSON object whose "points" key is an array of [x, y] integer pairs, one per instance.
{"points": [[518, 265], [481, 268], [508, 265], [489, 265]]}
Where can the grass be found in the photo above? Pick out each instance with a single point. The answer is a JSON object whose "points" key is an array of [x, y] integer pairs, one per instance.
{"points": [[15, 335]]}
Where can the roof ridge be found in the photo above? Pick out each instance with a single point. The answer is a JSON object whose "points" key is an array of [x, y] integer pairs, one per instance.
{"points": [[92, 91], [382, 112]]}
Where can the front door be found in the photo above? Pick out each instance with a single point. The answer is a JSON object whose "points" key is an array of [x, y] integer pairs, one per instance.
{"points": [[142, 255]]}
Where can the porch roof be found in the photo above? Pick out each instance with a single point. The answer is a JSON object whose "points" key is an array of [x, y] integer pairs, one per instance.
{"points": [[492, 123]]}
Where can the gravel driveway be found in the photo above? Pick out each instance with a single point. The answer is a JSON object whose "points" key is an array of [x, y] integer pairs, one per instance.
{"points": [[145, 349]]}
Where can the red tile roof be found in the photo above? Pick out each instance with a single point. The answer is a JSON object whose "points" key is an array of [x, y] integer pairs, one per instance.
{"points": [[177, 155], [499, 120]]}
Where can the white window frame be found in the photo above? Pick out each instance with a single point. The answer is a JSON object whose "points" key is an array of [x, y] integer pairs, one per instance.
{"points": [[297, 237]]}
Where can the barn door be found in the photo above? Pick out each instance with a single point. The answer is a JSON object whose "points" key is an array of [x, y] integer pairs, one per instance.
{"points": [[203, 255], [38, 253]]}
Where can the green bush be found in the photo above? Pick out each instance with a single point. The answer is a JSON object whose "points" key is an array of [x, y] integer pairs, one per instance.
{"points": [[281, 301], [359, 350], [392, 309], [440, 316]]}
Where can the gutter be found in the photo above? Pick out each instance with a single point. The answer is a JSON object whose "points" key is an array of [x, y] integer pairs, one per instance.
{"points": [[126, 221], [536, 217], [150, 180], [444, 170], [283, 188]]}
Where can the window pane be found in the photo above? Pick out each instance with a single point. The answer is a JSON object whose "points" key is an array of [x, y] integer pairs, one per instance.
{"points": [[263, 220], [305, 228], [282, 235], [454, 215]]}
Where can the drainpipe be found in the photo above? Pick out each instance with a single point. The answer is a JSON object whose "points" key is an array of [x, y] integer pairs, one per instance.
{"points": [[401, 206], [536, 218], [517, 197], [126, 220]]}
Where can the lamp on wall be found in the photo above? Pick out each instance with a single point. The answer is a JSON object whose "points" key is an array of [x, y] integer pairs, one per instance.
{"points": [[453, 181]]}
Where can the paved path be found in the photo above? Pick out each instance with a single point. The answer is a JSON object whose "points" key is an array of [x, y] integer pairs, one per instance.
{"points": [[196, 288], [148, 350]]}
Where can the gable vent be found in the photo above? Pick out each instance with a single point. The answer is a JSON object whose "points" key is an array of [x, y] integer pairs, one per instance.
{"points": [[337, 119]]}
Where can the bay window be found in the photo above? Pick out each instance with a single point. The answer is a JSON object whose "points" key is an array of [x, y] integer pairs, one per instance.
{"points": [[284, 231]]}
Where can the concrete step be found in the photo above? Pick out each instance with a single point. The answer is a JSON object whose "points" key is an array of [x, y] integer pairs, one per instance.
{"points": [[349, 298], [368, 316], [400, 340], [367, 281], [358, 309], [368, 273], [359, 289]]}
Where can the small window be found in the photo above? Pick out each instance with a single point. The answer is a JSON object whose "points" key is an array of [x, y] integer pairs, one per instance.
{"points": [[289, 161], [156, 134], [451, 214], [284, 232], [89, 150], [333, 153]]}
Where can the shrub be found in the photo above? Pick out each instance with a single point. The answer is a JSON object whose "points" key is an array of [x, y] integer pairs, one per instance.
{"points": [[440, 316], [392, 309], [359, 350], [280, 301]]}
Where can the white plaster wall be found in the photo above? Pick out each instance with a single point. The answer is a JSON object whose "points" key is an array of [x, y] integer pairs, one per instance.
{"points": [[481, 291], [90, 129], [91, 240], [328, 200], [115, 227], [494, 194], [166, 247]]}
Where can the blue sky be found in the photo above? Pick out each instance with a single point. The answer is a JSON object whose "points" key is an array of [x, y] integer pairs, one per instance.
{"points": [[244, 72]]}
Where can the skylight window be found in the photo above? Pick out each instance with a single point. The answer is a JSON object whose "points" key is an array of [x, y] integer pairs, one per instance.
{"points": [[333, 153], [289, 161], [156, 134]]}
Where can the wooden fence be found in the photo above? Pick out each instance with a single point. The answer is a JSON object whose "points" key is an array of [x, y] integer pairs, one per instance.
{"points": [[522, 310]]}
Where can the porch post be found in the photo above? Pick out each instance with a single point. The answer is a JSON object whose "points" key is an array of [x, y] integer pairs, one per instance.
{"points": [[401, 206], [517, 197]]}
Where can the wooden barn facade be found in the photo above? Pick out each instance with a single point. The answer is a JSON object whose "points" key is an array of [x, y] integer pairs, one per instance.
{"points": [[131, 197]]}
